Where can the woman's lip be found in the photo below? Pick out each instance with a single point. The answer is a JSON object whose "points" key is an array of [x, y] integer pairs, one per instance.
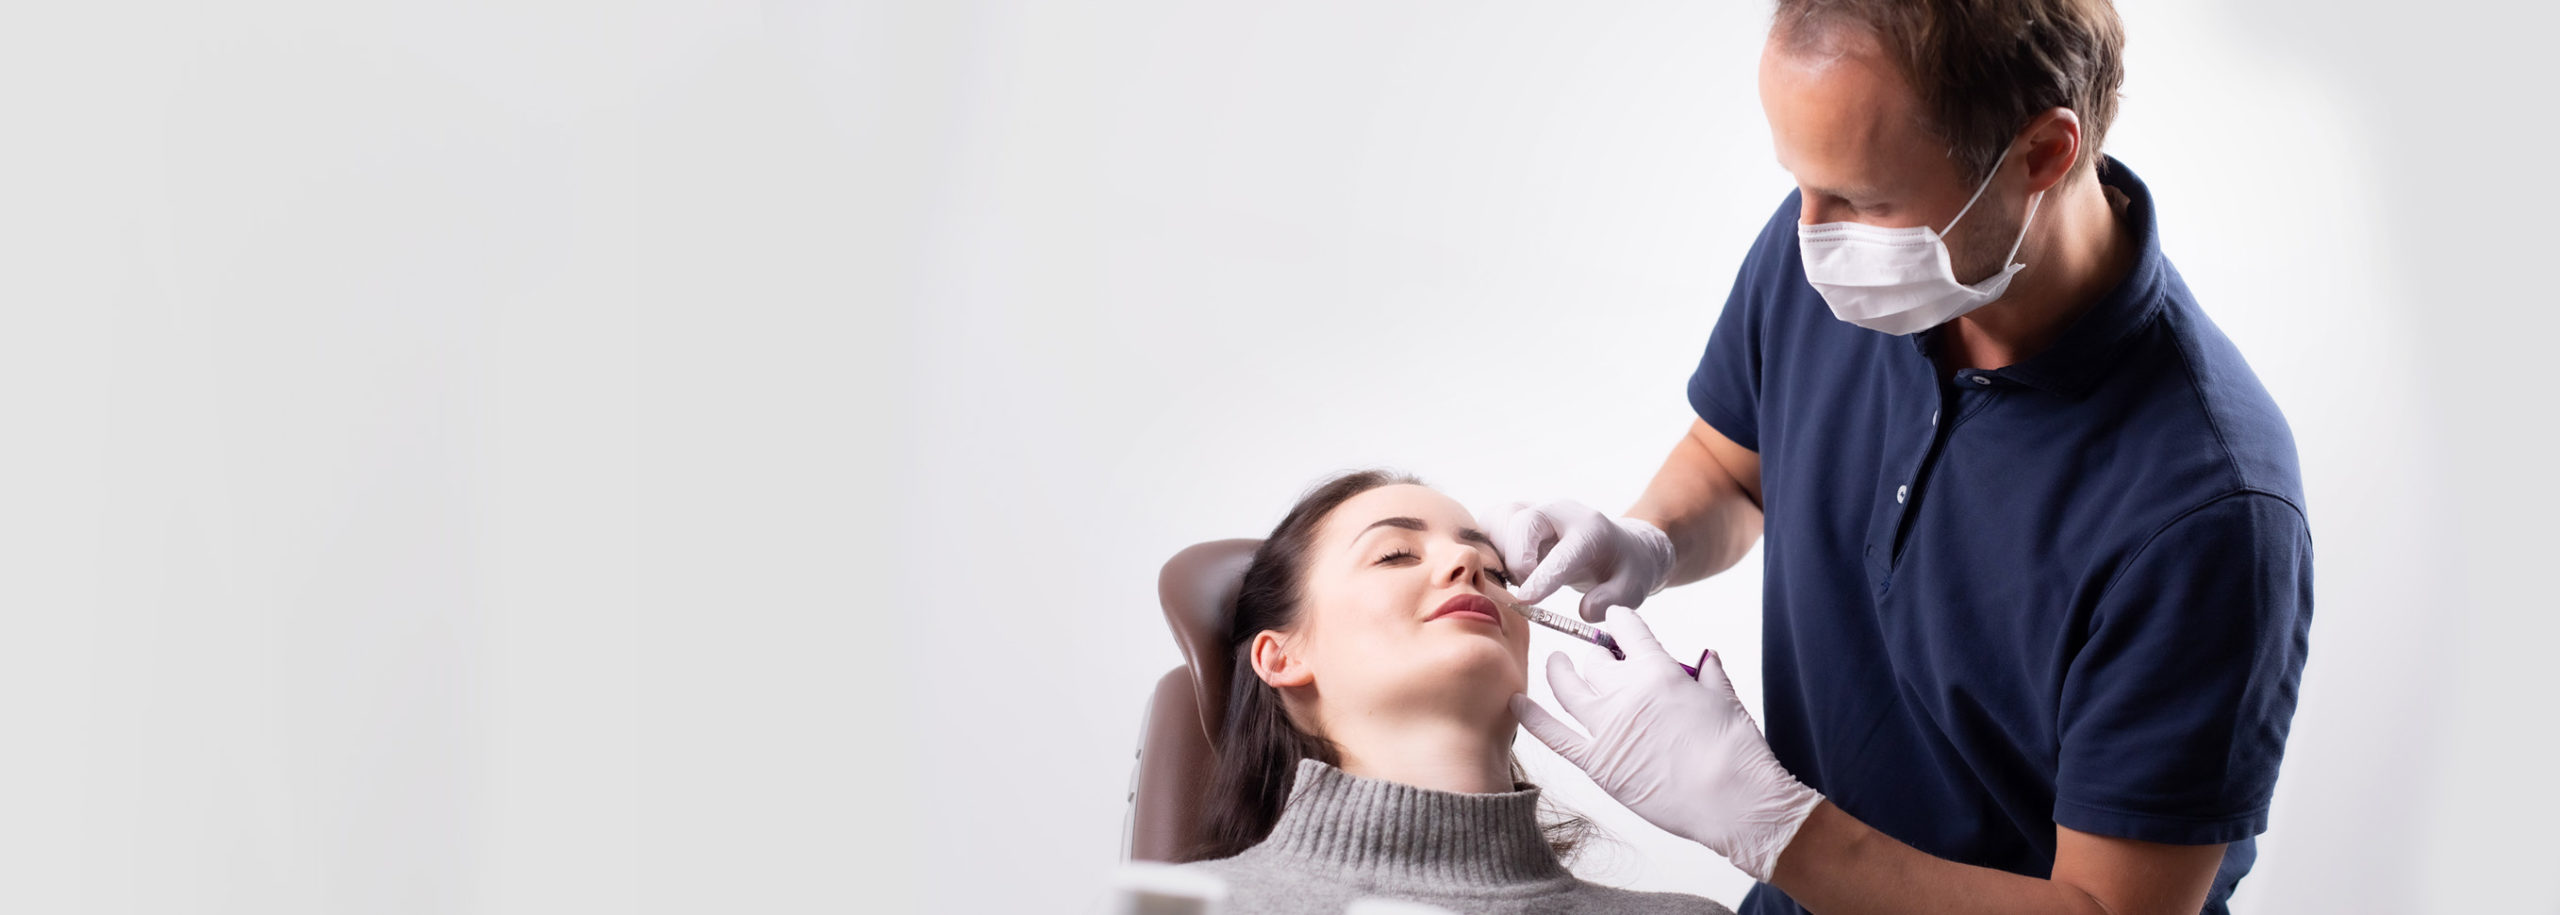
{"points": [[1473, 604]]}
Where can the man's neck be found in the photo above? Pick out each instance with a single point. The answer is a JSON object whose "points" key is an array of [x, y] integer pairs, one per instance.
{"points": [[1441, 754], [2078, 255]]}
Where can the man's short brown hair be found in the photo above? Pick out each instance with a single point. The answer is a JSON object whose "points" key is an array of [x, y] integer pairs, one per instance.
{"points": [[1984, 68]]}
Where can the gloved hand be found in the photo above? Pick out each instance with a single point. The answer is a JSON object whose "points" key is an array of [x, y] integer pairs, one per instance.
{"points": [[1681, 753], [1617, 561]]}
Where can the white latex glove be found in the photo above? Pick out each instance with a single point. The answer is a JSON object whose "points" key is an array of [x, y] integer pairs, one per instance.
{"points": [[1617, 561], [1681, 753]]}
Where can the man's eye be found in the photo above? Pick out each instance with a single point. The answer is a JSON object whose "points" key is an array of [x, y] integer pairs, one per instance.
{"points": [[1865, 207]]}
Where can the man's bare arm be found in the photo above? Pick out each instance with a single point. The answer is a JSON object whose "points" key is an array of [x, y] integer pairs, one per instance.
{"points": [[1707, 497], [1840, 866]]}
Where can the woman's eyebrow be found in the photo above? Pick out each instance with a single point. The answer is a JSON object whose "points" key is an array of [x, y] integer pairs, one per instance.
{"points": [[1468, 534]]}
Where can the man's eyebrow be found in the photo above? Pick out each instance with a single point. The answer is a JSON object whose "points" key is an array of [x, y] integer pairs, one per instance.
{"points": [[1468, 534], [1844, 193]]}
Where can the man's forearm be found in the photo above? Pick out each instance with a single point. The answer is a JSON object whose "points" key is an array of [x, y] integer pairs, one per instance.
{"points": [[1837, 865], [1712, 519]]}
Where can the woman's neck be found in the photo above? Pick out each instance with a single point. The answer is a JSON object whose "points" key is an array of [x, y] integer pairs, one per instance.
{"points": [[1441, 754]]}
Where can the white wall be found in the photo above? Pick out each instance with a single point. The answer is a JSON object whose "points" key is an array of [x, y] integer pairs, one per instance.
{"points": [[498, 458]]}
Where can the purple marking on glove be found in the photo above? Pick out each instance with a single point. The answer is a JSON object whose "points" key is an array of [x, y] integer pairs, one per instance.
{"points": [[1607, 641]]}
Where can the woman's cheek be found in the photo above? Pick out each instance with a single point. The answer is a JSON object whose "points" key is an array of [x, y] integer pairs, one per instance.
{"points": [[1520, 666]]}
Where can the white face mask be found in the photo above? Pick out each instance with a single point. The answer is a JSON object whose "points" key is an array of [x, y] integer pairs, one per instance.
{"points": [[1900, 281]]}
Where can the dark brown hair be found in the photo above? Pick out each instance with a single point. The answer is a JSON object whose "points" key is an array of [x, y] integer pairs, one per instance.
{"points": [[1984, 68], [1258, 748]]}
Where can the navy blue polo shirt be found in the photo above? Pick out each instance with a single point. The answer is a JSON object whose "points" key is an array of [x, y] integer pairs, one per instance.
{"points": [[2075, 590]]}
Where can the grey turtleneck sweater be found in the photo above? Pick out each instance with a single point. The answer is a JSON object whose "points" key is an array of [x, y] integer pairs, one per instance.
{"points": [[1343, 837]]}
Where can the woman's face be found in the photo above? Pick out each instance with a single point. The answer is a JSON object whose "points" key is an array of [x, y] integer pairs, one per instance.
{"points": [[1397, 613]]}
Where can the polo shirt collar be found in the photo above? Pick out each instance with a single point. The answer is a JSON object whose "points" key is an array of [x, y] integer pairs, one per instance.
{"points": [[2079, 357]]}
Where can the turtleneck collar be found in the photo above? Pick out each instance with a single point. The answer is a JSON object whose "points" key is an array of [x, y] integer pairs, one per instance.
{"points": [[1398, 833]]}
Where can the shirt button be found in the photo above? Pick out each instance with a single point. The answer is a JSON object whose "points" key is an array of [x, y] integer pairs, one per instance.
{"points": [[1901, 495], [1984, 380]]}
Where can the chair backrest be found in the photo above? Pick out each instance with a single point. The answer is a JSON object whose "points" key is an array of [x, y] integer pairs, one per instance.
{"points": [[1175, 745]]}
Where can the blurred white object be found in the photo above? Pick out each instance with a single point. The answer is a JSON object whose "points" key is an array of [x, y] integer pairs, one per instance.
{"points": [[1154, 888], [1393, 907]]}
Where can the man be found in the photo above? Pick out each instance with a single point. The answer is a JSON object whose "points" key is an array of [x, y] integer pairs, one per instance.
{"points": [[2038, 585]]}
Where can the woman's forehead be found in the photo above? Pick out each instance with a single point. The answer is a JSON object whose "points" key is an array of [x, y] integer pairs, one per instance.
{"points": [[1437, 512]]}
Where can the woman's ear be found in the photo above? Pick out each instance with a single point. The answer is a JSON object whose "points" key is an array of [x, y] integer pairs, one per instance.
{"points": [[1276, 662]]}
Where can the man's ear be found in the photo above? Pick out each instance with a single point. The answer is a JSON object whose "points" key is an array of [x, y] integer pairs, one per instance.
{"points": [[2053, 145], [1276, 663]]}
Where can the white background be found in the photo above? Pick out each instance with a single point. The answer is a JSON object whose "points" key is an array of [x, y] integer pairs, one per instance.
{"points": [[492, 457]]}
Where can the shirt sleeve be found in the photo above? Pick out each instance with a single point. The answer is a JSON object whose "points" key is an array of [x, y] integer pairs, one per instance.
{"points": [[2174, 712], [1725, 389]]}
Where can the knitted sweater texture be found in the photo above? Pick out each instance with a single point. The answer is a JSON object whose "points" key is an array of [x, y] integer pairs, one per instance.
{"points": [[1343, 837]]}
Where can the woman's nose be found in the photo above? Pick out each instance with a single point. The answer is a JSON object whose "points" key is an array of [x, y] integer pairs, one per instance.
{"points": [[1463, 570]]}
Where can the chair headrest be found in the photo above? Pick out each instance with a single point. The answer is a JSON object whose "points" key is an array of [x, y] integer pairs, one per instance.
{"points": [[1198, 588]]}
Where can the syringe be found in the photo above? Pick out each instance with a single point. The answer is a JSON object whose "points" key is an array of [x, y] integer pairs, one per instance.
{"points": [[1575, 628]]}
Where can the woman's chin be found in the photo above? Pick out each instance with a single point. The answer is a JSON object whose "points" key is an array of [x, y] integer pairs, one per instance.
{"points": [[1486, 645], [1482, 662]]}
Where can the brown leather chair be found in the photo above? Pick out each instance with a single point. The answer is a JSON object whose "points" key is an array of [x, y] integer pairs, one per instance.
{"points": [[1175, 743]]}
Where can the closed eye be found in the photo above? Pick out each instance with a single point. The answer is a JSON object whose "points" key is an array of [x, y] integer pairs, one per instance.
{"points": [[1500, 577]]}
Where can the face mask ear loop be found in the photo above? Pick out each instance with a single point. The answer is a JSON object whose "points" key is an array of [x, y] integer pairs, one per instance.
{"points": [[2022, 231], [1977, 193]]}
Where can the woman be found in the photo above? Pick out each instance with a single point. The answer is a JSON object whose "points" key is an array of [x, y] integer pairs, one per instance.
{"points": [[1367, 746]]}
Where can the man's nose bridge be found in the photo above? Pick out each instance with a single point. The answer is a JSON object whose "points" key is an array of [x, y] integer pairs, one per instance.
{"points": [[1810, 210]]}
